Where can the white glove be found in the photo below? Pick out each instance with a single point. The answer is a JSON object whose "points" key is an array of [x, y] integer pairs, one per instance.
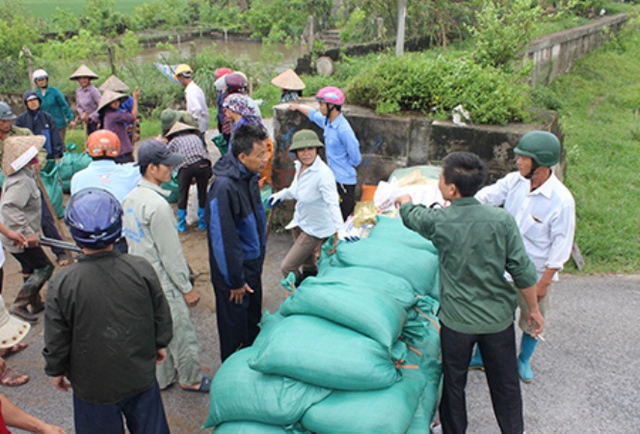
{"points": [[275, 198]]}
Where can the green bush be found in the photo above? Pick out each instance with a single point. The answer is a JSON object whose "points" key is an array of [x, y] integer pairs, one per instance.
{"points": [[502, 30], [434, 87]]}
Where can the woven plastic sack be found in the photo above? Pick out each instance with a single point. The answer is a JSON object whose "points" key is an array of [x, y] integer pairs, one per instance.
{"points": [[255, 428], [370, 278], [69, 165], [422, 329], [418, 266], [172, 186], [221, 144], [372, 313], [51, 182], [320, 352], [392, 229], [389, 410], [239, 393], [428, 403]]}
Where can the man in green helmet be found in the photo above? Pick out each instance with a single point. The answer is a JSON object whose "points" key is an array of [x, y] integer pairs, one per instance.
{"points": [[544, 210]]}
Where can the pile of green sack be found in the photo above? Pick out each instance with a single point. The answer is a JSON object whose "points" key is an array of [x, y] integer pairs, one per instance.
{"points": [[353, 350]]}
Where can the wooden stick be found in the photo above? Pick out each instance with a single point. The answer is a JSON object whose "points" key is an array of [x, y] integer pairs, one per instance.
{"points": [[62, 228]]}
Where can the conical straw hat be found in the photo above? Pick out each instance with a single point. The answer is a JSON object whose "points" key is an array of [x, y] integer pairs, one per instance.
{"points": [[179, 127], [19, 151], [83, 71], [115, 84], [110, 96], [288, 80]]}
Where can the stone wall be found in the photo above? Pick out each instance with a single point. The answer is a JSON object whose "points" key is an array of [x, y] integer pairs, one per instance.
{"points": [[556, 53]]}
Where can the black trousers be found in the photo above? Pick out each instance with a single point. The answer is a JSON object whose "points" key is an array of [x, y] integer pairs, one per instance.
{"points": [[201, 171], [31, 259], [347, 195], [49, 227], [501, 367], [238, 323]]}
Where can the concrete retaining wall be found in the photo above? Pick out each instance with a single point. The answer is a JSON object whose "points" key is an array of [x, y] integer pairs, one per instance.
{"points": [[389, 142], [556, 53]]}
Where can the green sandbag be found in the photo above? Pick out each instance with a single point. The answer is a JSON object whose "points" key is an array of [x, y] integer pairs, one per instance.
{"points": [[418, 266], [254, 428], [69, 165], [239, 393], [221, 144], [51, 182], [172, 186], [389, 410], [422, 329], [426, 410], [374, 314], [320, 352], [392, 229], [372, 279]]}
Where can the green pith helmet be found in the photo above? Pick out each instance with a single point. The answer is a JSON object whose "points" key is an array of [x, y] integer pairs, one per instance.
{"points": [[6, 114], [541, 146], [305, 139]]}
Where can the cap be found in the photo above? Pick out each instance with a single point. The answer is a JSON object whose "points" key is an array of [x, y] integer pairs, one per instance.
{"points": [[155, 152]]}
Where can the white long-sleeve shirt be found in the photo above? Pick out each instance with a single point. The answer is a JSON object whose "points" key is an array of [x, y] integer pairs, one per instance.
{"points": [[318, 204], [546, 217], [197, 105]]}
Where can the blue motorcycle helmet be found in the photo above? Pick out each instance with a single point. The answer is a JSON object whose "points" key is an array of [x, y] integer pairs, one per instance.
{"points": [[94, 218]]}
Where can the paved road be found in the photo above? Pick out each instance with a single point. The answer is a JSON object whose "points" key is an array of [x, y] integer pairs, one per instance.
{"points": [[588, 374]]}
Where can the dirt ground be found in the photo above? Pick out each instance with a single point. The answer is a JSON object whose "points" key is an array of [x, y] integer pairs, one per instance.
{"points": [[186, 412]]}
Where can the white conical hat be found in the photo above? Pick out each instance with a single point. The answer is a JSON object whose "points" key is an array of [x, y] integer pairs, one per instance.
{"points": [[288, 80], [19, 151], [115, 84], [83, 71], [110, 96], [179, 127]]}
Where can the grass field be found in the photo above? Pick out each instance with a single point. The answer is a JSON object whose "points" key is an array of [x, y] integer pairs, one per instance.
{"points": [[44, 8], [600, 117]]}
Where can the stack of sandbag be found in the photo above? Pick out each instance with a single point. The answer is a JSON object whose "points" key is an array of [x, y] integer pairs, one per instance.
{"points": [[353, 350]]}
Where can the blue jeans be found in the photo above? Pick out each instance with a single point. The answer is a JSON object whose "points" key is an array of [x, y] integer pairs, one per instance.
{"points": [[143, 412]]}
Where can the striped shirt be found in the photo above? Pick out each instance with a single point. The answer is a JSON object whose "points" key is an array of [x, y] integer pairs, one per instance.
{"points": [[190, 147]]}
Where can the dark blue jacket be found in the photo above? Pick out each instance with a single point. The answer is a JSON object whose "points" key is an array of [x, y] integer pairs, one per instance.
{"points": [[236, 224], [42, 123]]}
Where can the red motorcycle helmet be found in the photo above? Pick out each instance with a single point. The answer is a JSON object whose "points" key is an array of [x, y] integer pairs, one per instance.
{"points": [[103, 143]]}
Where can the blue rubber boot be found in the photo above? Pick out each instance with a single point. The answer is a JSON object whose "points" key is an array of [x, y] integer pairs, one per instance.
{"points": [[476, 362], [527, 347], [182, 220], [202, 224]]}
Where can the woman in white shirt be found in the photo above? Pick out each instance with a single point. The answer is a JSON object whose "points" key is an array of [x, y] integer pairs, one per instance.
{"points": [[317, 214]]}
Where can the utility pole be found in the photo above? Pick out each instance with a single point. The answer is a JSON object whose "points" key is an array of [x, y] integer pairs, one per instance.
{"points": [[402, 14]]}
